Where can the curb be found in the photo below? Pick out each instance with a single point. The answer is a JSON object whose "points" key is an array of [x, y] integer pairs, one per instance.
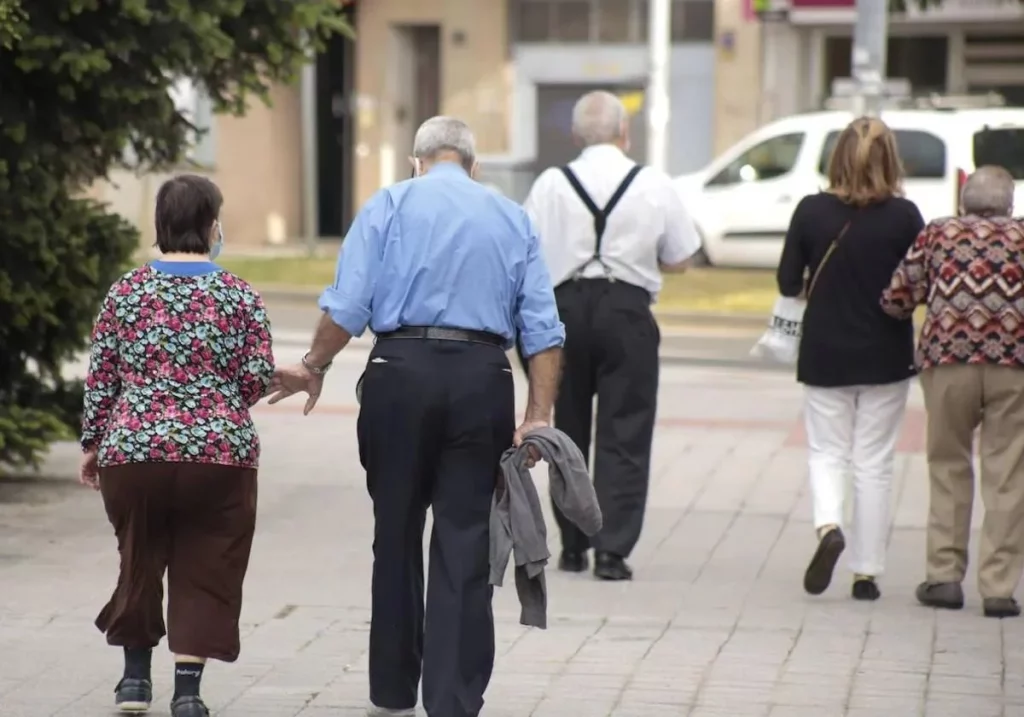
{"points": [[285, 292], [712, 318]]}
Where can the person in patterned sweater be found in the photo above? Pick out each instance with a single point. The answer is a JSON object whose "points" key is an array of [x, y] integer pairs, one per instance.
{"points": [[180, 352], [969, 272]]}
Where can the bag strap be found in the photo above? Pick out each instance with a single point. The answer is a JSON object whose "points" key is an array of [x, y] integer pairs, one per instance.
{"points": [[600, 215], [828, 254]]}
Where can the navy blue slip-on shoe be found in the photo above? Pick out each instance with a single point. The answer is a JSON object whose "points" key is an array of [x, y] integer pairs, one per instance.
{"points": [[133, 695], [819, 572], [189, 706]]}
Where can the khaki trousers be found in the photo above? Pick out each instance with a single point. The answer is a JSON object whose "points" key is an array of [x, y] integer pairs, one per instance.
{"points": [[959, 398]]}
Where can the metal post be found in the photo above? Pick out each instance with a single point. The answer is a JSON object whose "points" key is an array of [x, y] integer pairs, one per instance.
{"points": [[310, 178], [660, 45], [870, 41]]}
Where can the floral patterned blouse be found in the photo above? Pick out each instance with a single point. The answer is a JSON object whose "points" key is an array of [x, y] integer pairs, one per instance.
{"points": [[180, 352]]}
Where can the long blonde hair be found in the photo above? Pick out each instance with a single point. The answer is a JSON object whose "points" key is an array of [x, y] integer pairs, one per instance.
{"points": [[865, 165]]}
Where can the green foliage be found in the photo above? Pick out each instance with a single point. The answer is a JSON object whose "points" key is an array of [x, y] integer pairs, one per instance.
{"points": [[11, 18], [81, 81], [900, 6]]}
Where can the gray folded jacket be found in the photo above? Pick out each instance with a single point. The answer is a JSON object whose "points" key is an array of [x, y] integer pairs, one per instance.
{"points": [[517, 520]]}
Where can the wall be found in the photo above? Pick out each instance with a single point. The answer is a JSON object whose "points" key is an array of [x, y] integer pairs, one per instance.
{"points": [[474, 76], [692, 91], [737, 95], [257, 167]]}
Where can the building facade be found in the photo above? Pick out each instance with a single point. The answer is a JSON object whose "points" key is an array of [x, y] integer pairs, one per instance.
{"points": [[511, 68], [959, 47]]}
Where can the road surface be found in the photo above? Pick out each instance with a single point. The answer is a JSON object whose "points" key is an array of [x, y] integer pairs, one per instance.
{"points": [[714, 625]]}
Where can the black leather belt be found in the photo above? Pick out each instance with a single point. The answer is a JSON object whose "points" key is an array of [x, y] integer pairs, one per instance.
{"points": [[442, 334]]}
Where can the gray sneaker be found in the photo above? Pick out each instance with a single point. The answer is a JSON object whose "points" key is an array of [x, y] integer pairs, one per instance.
{"points": [[375, 711]]}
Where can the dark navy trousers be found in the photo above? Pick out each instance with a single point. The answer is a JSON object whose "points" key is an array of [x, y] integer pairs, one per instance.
{"points": [[434, 420]]}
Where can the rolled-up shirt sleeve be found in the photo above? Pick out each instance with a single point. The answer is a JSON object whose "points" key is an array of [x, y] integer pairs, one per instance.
{"points": [[349, 301], [681, 239], [536, 317]]}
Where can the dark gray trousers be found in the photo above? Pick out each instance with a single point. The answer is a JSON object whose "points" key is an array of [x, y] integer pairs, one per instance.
{"points": [[611, 351]]}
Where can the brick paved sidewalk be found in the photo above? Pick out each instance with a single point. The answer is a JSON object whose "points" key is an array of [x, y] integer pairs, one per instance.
{"points": [[714, 624]]}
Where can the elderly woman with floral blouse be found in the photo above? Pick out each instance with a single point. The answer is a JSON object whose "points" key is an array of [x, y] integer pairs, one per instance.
{"points": [[180, 351]]}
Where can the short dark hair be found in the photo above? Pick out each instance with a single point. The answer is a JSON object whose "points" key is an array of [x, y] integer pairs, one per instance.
{"points": [[186, 208]]}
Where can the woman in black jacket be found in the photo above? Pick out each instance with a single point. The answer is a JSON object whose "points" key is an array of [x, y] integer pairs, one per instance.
{"points": [[855, 361]]}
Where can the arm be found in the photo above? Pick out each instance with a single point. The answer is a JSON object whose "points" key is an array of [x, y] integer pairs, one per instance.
{"points": [[541, 333], [102, 383], [916, 226], [545, 374], [909, 285], [258, 367], [793, 262], [347, 303], [681, 240]]}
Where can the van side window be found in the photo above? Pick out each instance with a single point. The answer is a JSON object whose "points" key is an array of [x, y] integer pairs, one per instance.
{"points": [[922, 153], [770, 159], [1001, 146]]}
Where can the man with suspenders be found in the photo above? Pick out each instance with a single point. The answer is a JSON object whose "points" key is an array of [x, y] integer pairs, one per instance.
{"points": [[608, 228]]}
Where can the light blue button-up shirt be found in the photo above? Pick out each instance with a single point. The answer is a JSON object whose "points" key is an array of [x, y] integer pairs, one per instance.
{"points": [[443, 250]]}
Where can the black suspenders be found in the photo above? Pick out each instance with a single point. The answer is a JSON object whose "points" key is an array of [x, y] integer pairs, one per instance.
{"points": [[600, 215]]}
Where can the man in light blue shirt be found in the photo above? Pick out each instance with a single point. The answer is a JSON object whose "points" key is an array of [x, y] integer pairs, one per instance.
{"points": [[446, 273]]}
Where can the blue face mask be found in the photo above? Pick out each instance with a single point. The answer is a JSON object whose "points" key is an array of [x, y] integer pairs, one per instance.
{"points": [[217, 245]]}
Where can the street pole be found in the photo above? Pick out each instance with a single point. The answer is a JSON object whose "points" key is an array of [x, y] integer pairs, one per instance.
{"points": [[310, 188], [870, 40], [660, 45]]}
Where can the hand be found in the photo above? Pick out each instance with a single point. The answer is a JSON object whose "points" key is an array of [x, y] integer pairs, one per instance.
{"points": [[293, 379], [89, 471], [533, 455]]}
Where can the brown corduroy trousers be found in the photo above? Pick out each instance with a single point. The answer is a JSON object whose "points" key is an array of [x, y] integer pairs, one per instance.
{"points": [[196, 522]]}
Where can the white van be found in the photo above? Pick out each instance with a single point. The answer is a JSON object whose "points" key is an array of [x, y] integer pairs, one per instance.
{"points": [[742, 202]]}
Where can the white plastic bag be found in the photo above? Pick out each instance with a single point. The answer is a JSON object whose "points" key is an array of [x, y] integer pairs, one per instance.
{"points": [[780, 342]]}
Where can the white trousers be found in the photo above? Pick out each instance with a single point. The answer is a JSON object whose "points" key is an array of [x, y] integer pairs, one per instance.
{"points": [[854, 430]]}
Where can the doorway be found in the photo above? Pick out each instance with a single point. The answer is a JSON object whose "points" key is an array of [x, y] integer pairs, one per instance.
{"points": [[412, 94], [555, 143], [335, 129]]}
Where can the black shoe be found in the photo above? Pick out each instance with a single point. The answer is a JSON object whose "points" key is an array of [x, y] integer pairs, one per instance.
{"points": [[865, 590], [133, 695], [947, 596], [572, 562], [189, 706], [1001, 607], [611, 567], [819, 571]]}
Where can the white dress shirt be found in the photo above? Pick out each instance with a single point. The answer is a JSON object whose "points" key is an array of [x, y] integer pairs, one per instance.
{"points": [[649, 226]]}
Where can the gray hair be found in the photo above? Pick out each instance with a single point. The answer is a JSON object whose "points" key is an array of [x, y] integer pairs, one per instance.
{"points": [[988, 192], [445, 134], [598, 118]]}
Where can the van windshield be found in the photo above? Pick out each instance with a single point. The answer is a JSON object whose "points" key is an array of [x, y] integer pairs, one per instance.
{"points": [[1001, 146]]}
